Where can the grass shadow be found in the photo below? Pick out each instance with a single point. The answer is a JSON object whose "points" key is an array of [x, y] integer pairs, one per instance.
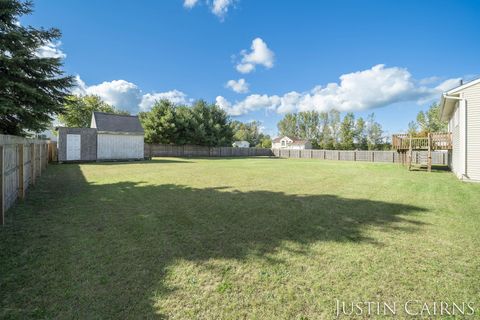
{"points": [[103, 250]]}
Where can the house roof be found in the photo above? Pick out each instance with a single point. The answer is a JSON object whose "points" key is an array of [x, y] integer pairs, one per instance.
{"points": [[449, 99], [117, 123], [295, 140]]}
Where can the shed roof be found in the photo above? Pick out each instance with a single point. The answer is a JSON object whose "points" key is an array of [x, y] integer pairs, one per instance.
{"points": [[117, 123]]}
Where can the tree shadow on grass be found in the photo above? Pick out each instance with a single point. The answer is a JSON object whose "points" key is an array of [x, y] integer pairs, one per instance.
{"points": [[102, 250]]}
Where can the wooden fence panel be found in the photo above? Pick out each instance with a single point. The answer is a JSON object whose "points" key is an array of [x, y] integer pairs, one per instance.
{"points": [[19, 158], [10, 174], [164, 150], [418, 157]]}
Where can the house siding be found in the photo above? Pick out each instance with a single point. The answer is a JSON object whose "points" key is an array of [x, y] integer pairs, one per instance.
{"points": [[456, 145], [472, 95], [119, 146]]}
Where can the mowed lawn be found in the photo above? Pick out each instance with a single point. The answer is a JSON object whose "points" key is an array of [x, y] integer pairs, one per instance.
{"points": [[252, 238]]}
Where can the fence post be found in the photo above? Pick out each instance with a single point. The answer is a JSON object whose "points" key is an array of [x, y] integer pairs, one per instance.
{"points": [[21, 188], [32, 163], [338, 157], [354, 155], [2, 185], [373, 156]]}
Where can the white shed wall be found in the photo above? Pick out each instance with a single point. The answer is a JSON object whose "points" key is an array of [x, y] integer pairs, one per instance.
{"points": [[119, 146]]}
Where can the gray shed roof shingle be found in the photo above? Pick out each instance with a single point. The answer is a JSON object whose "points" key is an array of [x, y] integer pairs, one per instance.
{"points": [[117, 123]]}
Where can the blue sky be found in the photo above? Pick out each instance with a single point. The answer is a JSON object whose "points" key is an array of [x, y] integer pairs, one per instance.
{"points": [[392, 58]]}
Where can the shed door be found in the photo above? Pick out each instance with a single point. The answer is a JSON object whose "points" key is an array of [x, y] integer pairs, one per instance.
{"points": [[73, 147]]}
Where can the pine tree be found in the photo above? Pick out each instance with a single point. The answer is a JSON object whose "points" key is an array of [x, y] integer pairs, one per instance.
{"points": [[32, 89]]}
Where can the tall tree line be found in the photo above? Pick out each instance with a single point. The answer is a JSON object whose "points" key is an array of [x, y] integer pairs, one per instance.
{"points": [[327, 130], [201, 124]]}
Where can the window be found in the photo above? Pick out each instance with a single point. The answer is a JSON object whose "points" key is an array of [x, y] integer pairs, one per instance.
{"points": [[284, 143]]}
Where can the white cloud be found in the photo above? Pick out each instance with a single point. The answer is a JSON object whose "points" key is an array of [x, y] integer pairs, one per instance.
{"points": [[239, 86], [260, 54], [217, 7], [175, 96], [251, 103], [50, 50], [372, 88], [126, 95], [220, 7], [190, 3]]}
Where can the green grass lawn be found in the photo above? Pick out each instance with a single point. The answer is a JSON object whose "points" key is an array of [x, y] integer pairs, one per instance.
{"points": [[252, 238]]}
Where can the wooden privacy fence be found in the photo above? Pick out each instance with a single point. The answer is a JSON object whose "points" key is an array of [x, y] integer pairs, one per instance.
{"points": [[166, 150], [21, 162], [438, 157]]}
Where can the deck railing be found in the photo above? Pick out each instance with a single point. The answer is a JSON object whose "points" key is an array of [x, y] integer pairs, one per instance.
{"points": [[435, 141]]}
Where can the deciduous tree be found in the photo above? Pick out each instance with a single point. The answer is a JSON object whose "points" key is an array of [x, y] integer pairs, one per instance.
{"points": [[78, 110]]}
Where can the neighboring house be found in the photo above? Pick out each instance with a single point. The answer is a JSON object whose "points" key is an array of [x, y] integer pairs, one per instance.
{"points": [[241, 144], [290, 143], [460, 106], [118, 136], [111, 137]]}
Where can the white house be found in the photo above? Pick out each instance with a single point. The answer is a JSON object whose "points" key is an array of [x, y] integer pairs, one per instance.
{"points": [[460, 106], [290, 143], [241, 144], [119, 137]]}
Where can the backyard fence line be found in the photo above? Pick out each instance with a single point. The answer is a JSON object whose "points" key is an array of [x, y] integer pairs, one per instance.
{"points": [[21, 162], [167, 150], [418, 157]]}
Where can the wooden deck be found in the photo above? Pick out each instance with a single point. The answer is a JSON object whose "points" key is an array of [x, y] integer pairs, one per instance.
{"points": [[406, 144], [434, 141]]}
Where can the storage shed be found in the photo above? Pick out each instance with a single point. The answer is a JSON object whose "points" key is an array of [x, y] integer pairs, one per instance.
{"points": [[77, 144], [110, 137], [119, 137]]}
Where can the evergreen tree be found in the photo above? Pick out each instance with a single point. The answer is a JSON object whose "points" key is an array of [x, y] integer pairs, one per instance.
{"points": [[159, 123], [202, 124], [32, 89]]}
